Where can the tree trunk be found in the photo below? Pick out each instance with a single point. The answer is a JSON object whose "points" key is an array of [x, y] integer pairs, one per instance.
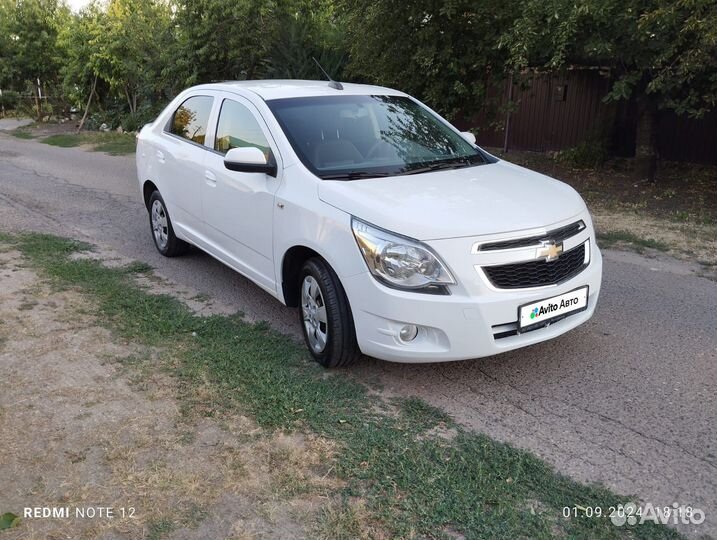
{"points": [[87, 107], [646, 140], [129, 99]]}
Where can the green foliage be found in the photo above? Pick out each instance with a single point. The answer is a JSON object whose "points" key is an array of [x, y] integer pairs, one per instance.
{"points": [[115, 144], [7, 68], [28, 41], [124, 45], [137, 54], [9, 99], [128, 53], [143, 52], [589, 154], [133, 122], [637, 243], [74, 40], [64, 140], [9, 520], [228, 40], [22, 133], [309, 30], [661, 50], [111, 143], [223, 39], [442, 52], [159, 529]]}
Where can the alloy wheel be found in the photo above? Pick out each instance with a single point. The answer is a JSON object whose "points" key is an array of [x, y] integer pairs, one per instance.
{"points": [[160, 224], [313, 309]]}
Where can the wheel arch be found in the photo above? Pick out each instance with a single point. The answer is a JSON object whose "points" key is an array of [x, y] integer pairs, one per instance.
{"points": [[148, 188], [291, 265]]}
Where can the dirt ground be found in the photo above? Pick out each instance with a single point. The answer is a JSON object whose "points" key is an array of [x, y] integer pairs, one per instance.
{"points": [[85, 422], [681, 191]]}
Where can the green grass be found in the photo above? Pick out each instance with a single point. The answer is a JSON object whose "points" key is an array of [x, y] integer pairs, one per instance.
{"points": [[116, 144], [64, 140], [414, 484], [159, 529], [111, 143], [612, 238], [22, 133]]}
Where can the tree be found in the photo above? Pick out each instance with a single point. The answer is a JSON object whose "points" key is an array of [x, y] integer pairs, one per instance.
{"points": [[224, 39], [309, 29], [443, 52], [127, 48], [662, 54], [28, 50], [7, 66], [79, 68]]}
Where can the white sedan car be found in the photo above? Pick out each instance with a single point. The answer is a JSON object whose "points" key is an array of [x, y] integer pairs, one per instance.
{"points": [[390, 231]]}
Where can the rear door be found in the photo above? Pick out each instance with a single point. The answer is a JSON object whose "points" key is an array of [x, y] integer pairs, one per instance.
{"points": [[180, 157], [238, 207]]}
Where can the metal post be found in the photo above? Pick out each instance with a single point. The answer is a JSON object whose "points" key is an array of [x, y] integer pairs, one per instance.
{"points": [[507, 114], [38, 106]]}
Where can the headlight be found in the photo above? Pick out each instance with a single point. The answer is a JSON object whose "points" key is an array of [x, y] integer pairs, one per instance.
{"points": [[400, 262]]}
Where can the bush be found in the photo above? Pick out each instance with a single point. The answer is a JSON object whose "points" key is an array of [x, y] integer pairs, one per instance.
{"points": [[131, 122], [135, 121], [9, 99], [94, 121], [589, 154], [115, 115]]}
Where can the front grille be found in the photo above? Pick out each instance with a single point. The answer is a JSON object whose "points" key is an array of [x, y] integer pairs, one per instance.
{"points": [[557, 235], [537, 273]]}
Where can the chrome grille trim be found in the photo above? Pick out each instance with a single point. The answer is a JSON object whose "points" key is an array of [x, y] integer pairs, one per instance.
{"points": [[558, 235]]}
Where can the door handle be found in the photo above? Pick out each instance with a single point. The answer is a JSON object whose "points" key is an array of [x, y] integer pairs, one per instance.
{"points": [[209, 178]]}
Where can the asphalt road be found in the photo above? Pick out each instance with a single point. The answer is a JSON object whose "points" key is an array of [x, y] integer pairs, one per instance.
{"points": [[627, 400]]}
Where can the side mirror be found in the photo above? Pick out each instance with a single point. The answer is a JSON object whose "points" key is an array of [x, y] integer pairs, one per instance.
{"points": [[249, 159], [467, 135]]}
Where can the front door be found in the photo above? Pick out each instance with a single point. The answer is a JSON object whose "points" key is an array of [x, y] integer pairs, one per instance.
{"points": [[238, 207]]}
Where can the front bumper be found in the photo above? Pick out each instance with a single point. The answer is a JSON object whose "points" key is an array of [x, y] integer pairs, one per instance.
{"points": [[460, 326]]}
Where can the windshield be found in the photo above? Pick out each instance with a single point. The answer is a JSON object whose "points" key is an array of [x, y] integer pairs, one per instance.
{"points": [[350, 137]]}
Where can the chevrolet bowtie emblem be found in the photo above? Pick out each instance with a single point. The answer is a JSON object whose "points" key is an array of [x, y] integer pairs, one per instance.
{"points": [[549, 250]]}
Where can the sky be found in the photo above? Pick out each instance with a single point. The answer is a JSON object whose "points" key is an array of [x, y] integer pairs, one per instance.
{"points": [[77, 5]]}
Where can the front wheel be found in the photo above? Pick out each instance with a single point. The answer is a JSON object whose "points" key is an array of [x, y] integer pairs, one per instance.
{"points": [[325, 316]]}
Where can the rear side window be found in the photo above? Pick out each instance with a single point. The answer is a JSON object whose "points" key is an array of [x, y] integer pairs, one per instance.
{"points": [[191, 119], [237, 127]]}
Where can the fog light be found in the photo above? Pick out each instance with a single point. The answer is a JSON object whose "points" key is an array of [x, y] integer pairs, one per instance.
{"points": [[408, 332]]}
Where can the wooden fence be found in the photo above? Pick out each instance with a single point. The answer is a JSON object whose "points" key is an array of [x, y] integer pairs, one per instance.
{"points": [[559, 111]]}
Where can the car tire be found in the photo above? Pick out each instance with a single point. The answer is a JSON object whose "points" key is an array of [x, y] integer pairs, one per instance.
{"points": [[325, 316], [160, 225]]}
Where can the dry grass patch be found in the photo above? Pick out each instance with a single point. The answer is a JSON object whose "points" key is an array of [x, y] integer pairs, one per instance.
{"points": [[687, 241], [94, 420]]}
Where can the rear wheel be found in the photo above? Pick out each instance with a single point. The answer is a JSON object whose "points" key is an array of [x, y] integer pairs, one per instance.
{"points": [[165, 240], [325, 316]]}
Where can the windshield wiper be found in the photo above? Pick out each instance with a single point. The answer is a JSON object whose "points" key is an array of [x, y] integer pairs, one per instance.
{"points": [[444, 164], [353, 175], [451, 163], [440, 166]]}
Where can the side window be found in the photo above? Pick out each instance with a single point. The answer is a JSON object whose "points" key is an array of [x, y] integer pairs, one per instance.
{"points": [[191, 119], [237, 127]]}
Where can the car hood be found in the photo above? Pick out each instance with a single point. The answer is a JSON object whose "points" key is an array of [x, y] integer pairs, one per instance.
{"points": [[486, 199]]}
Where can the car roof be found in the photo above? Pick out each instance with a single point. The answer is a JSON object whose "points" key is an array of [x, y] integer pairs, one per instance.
{"points": [[288, 88]]}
